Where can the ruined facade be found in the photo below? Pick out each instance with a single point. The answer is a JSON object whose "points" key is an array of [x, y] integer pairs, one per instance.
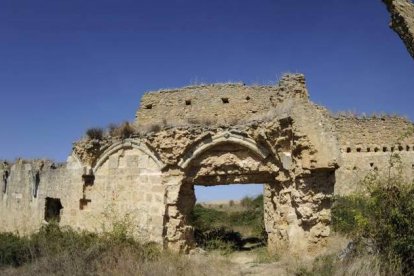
{"points": [[402, 21], [210, 135]]}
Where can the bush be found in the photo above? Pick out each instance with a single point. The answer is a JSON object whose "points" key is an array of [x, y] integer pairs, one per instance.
{"points": [[206, 218], [219, 238], [253, 216], [95, 133], [214, 228], [349, 214], [14, 250], [383, 218], [246, 202]]}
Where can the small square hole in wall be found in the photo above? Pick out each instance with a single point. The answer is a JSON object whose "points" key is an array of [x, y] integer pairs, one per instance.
{"points": [[225, 100], [148, 106], [358, 149], [407, 148], [392, 149], [247, 98], [384, 149], [187, 102], [371, 164], [400, 148], [368, 149], [376, 149], [348, 150]]}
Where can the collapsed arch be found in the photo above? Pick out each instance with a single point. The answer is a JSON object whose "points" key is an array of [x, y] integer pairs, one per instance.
{"points": [[126, 144], [226, 137]]}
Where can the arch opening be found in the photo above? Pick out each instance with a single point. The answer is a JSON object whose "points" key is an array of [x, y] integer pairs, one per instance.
{"points": [[230, 219], [225, 163]]}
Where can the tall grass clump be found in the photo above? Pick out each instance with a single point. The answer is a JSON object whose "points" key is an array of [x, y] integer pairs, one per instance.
{"points": [[124, 130], [56, 250]]}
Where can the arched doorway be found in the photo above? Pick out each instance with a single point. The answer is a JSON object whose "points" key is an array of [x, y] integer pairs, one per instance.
{"points": [[219, 162], [297, 202]]}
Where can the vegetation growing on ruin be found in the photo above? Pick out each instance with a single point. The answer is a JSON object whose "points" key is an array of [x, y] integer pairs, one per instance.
{"points": [[95, 133], [123, 130]]}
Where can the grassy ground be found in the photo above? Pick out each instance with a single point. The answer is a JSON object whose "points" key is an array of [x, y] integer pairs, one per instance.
{"points": [[55, 251]]}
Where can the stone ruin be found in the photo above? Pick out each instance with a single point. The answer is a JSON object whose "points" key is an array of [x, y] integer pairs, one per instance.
{"points": [[402, 21], [209, 135]]}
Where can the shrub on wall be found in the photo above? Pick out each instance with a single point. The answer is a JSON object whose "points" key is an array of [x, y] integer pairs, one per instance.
{"points": [[95, 133], [124, 130]]}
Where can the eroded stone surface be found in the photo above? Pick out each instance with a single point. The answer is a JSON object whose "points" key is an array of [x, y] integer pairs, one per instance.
{"points": [[402, 21]]}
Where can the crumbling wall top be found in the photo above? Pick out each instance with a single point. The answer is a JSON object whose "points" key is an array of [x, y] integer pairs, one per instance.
{"points": [[216, 103], [374, 131]]}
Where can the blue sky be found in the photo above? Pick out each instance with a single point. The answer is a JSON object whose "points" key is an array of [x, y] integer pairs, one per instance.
{"points": [[69, 65]]}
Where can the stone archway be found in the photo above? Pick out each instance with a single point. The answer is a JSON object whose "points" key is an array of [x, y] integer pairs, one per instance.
{"points": [[296, 207], [124, 187], [224, 159]]}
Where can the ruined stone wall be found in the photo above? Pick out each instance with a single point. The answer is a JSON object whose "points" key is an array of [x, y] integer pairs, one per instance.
{"points": [[126, 188], [276, 137], [216, 104], [402, 21], [367, 134], [368, 146], [290, 146], [29, 184], [355, 166]]}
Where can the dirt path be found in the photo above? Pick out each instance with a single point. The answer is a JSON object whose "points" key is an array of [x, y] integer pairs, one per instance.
{"points": [[252, 262], [248, 265]]}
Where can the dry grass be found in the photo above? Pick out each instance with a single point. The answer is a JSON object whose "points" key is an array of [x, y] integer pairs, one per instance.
{"points": [[126, 260], [124, 130], [123, 261]]}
